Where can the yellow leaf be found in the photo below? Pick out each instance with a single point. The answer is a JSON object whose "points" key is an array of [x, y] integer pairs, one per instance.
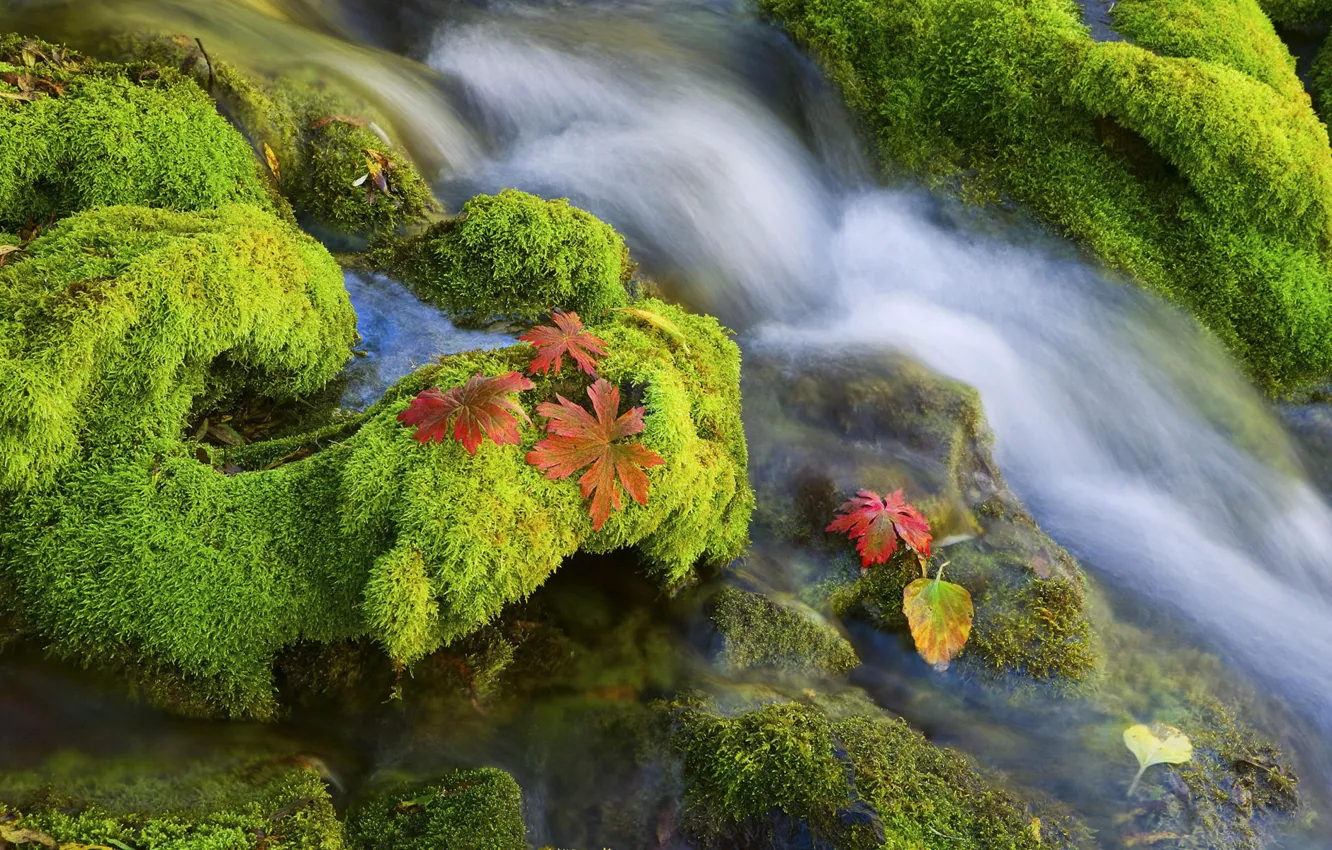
{"points": [[272, 162], [1035, 828], [19, 835], [1156, 744], [659, 322], [1146, 839], [939, 613]]}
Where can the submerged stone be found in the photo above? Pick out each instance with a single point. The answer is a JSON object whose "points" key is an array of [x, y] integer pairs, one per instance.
{"points": [[759, 633], [464, 810]]}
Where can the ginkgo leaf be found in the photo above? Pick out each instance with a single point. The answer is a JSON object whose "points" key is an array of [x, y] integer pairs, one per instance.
{"points": [[1156, 744], [875, 524], [272, 162], [580, 440], [568, 337], [480, 407], [939, 613], [659, 322]]}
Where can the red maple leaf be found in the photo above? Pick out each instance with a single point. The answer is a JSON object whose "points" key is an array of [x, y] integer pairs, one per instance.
{"points": [[875, 524], [479, 407], [582, 440], [552, 343]]}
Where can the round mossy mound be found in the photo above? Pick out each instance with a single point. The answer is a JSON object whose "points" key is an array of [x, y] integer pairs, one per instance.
{"points": [[77, 134]]}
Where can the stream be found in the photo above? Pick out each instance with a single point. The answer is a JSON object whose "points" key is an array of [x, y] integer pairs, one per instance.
{"points": [[730, 166]]}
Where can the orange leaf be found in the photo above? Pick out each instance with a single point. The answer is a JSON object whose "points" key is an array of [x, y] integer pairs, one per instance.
{"points": [[567, 337], [582, 440], [481, 407]]}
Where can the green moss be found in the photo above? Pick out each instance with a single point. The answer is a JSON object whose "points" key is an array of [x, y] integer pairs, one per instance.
{"points": [[112, 136], [515, 255], [466, 810], [215, 803], [318, 131], [931, 797], [1200, 169], [738, 769], [1291, 13], [856, 777], [758, 632], [139, 554], [116, 321]]}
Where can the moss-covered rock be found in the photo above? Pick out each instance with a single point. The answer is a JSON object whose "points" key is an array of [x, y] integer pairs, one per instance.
{"points": [[1191, 158], [822, 429], [760, 633], [195, 564], [1292, 13], [515, 255], [465, 810], [322, 138], [221, 802], [119, 320], [76, 134], [849, 777]]}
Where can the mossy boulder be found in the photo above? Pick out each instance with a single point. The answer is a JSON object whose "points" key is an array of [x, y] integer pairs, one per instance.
{"points": [[77, 134], [119, 320], [321, 135], [515, 255], [192, 564], [822, 429], [1190, 158], [1294, 13], [217, 802], [843, 775], [465, 810], [760, 633]]}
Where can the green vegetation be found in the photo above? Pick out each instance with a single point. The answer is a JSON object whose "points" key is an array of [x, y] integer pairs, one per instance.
{"points": [[466, 810], [119, 320], [1200, 169], [172, 564], [1292, 13], [515, 255], [759, 633], [858, 779], [320, 135], [76, 134], [221, 802]]}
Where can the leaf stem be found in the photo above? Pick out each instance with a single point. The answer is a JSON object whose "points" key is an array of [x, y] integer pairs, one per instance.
{"points": [[1133, 786]]}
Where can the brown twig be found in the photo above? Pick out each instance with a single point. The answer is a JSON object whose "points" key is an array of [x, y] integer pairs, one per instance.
{"points": [[209, 60]]}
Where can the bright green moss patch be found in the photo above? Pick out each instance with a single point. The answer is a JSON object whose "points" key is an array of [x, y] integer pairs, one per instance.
{"points": [[100, 134], [116, 321], [318, 132], [1200, 168], [216, 803], [140, 551], [1235, 33], [759, 633], [515, 255], [466, 810]]}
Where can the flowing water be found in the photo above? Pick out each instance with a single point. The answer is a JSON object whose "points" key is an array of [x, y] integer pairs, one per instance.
{"points": [[701, 134]]}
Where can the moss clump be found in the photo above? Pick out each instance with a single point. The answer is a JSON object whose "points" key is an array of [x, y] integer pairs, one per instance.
{"points": [[737, 769], [118, 320], [1201, 169], [466, 810], [515, 255], [207, 804], [101, 134], [758, 633], [882, 423], [1293, 13], [198, 565], [855, 777], [318, 131]]}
